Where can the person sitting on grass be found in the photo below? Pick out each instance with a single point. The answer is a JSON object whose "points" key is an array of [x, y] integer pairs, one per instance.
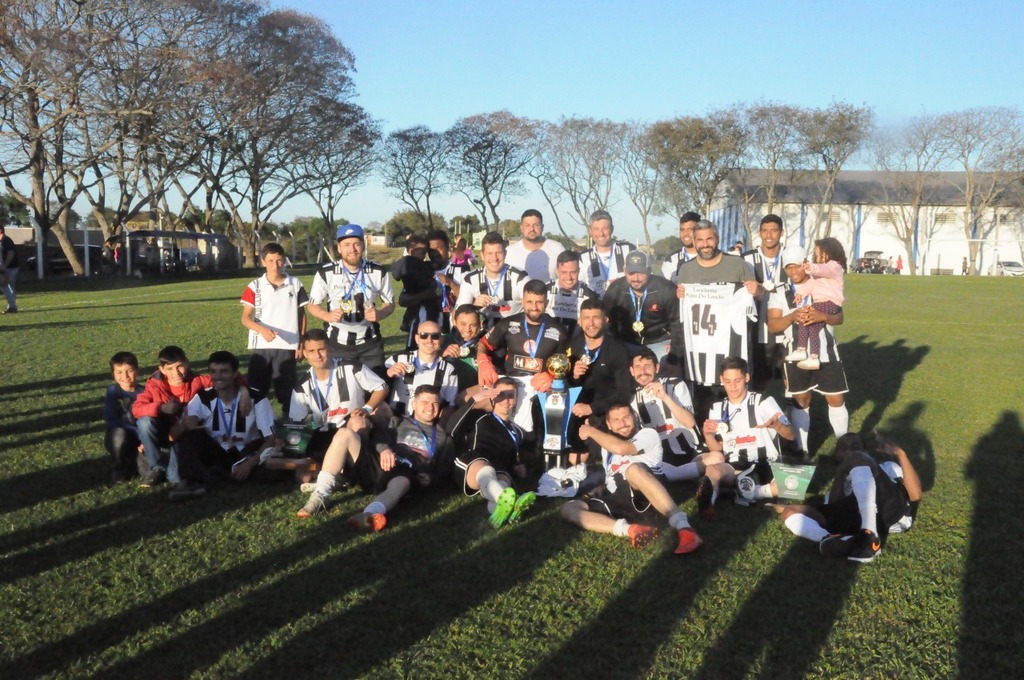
{"points": [[493, 452], [866, 502], [122, 437], [333, 392], [422, 366], [633, 496], [742, 434], [215, 436], [418, 455], [161, 405]]}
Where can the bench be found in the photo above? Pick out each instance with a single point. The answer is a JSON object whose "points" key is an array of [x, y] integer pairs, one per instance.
{"points": [[940, 272]]}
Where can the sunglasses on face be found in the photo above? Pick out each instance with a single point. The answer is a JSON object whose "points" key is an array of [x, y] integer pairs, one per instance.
{"points": [[505, 394], [431, 336]]}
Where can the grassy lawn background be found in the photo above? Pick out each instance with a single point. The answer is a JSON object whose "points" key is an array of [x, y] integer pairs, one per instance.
{"points": [[115, 581]]}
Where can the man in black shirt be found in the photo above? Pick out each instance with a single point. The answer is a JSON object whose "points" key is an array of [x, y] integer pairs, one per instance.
{"points": [[642, 307]]}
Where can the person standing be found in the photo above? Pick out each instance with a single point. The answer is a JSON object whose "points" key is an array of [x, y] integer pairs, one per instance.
{"points": [[534, 254], [766, 349], [687, 251], [352, 296], [642, 308], [605, 261], [496, 288], [566, 294], [8, 270]]}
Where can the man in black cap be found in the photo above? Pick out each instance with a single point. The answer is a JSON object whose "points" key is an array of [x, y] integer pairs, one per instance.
{"points": [[642, 307]]}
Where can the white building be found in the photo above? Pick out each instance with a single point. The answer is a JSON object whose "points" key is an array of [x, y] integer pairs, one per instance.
{"points": [[870, 209]]}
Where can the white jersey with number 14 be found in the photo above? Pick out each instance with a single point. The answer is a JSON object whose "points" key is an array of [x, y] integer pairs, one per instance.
{"points": [[714, 318]]}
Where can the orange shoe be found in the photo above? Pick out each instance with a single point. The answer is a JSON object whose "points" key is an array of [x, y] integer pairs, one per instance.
{"points": [[688, 541], [641, 535], [367, 522]]}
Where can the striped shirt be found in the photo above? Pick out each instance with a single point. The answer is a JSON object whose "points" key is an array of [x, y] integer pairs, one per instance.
{"points": [[506, 290], [714, 320], [597, 270], [769, 272], [332, 401], [564, 304], [670, 266], [745, 443], [352, 293], [782, 299], [656, 414], [441, 374]]}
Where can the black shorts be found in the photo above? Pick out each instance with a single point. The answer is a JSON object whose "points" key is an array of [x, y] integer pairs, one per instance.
{"points": [[843, 516], [462, 464], [400, 469], [365, 471], [829, 379], [624, 503]]}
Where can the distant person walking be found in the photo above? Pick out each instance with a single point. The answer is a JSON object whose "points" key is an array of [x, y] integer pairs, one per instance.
{"points": [[899, 264], [963, 267], [8, 270]]}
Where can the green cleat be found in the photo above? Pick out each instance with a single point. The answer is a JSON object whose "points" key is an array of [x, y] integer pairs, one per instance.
{"points": [[523, 503], [505, 506]]}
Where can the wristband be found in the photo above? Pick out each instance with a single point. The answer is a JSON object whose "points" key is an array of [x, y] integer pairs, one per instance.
{"points": [[367, 409]]}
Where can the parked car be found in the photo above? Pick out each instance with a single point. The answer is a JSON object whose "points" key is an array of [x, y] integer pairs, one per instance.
{"points": [[57, 261], [1007, 268], [871, 263]]}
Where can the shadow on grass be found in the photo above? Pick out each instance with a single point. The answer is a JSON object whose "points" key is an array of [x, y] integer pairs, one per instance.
{"points": [[918, 445], [60, 419], [15, 416], [49, 484], [116, 525], [991, 635], [58, 386], [875, 373], [60, 325], [623, 639]]}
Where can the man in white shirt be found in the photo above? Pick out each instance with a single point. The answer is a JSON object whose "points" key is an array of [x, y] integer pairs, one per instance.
{"points": [[606, 260], [534, 254]]}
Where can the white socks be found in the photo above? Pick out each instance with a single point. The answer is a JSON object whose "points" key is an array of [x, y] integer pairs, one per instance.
{"points": [[490, 487], [621, 528], [677, 520], [678, 473], [839, 417], [801, 419], [863, 484], [324, 484], [805, 527]]}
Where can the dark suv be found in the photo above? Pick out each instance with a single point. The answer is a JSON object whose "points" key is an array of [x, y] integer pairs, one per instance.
{"points": [[871, 263]]}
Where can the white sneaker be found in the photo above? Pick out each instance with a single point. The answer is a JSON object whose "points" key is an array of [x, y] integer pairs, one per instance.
{"points": [[307, 487], [746, 487], [799, 354], [809, 364]]}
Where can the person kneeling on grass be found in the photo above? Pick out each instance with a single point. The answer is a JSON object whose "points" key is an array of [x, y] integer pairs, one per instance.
{"points": [[419, 455], [495, 448], [633, 496], [866, 502], [215, 435]]}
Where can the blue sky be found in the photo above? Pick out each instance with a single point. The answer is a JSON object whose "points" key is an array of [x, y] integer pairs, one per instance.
{"points": [[434, 62]]}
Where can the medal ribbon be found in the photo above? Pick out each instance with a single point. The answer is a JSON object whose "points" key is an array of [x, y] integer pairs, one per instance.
{"points": [[322, 399], [493, 290], [536, 343], [595, 355], [639, 305], [228, 426], [606, 269], [432, 444], [511, 431], [769, 271]]}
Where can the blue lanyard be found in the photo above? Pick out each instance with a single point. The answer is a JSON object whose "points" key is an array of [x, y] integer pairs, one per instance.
{"points": [[596, 354], [536, 343], [638, 305], [426, 367], [769, 272], [725, 408], [444, 294], [361, 280], [497, 286], [511, 431], [228, 426], [685, 255], [322, 400], [432, 444], [606, 269]]}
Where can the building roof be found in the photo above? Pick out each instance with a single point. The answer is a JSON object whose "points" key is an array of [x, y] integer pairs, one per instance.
{"points": [[866, 187]]}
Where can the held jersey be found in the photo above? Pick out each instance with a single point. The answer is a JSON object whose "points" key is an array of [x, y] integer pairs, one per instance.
{"points": [[648, 452], [746, 443], [506, 291], [527, 346], [222, 422], [331, 401], [782, 298], [439, 373], [770, 273], [564, 304], [335, 287], [276, 307], [714, 319], [656, 414], [597, 270]]}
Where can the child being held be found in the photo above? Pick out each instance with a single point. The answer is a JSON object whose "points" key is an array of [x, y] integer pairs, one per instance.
{"points": [[122, 437], [823, 290], [419, 289]]}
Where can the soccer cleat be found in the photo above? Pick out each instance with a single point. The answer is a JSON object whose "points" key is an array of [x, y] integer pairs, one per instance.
{"points": [[367, 522], [866, 545], [154, 477], [523, 503], [505, 505], [688, 541], [799, 354], [705, 496], [641, 535], [307, 487], [314, 506], [809, 364], [186, 490], [836, 545]]}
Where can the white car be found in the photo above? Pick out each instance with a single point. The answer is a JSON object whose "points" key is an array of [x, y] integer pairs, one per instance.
{"points": [[1007, 268]]}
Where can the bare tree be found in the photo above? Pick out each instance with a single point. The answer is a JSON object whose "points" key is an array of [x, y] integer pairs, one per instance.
{"points": [[909, 160], [543, 171], [695, 155], [640, 173], [773, 143], [582, 154], [979, 142], [413, 164], [489, 155], [829, 137]]}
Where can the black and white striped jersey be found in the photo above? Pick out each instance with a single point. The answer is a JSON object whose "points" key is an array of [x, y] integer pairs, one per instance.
{"points": [[440, 373], [598, 270], [221, 419], [782, 299], [670, 266], [714, 320], [770, 273], [331, 401], [656, 414], [745, 443], [564, 304], [337, 287], [506, 290]]}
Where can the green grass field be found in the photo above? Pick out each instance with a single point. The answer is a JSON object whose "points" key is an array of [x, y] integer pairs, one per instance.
{"points": [[115, 581]]}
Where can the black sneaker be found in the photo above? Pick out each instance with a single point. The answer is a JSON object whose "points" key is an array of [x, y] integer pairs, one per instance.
{"points": [[836, 545], [705, 494], [867, 544], [186, 490], [154, 477]]}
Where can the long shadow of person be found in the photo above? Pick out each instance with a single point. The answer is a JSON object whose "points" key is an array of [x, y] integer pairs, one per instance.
{"points": [[875, 374], [991, 634]]}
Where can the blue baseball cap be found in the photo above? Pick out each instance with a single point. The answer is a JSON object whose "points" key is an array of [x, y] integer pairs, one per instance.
{"points": [[350, 231]]}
